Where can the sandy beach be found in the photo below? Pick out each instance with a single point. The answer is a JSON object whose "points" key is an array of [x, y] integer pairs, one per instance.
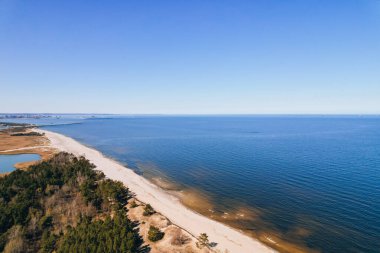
{"points": [[227, 239]]}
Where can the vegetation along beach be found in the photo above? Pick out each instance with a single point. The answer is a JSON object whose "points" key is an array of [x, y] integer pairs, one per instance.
{"points": [[176, 126]]}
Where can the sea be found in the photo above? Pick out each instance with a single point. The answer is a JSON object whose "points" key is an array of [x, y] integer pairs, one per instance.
{"points": [[309, 180]]}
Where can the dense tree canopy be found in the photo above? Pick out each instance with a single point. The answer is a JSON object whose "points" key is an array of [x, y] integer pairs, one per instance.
{"points": [[64, 205]]}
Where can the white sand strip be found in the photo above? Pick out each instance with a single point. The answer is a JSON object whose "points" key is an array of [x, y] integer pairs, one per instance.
{"points": [[226, 238]]}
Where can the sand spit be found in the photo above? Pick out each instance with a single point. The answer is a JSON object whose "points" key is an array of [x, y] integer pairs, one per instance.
{"points": [[227, 239], [12, 145]]}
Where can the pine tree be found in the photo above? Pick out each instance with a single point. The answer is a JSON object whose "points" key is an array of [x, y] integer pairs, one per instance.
{"points": [[202, 240]]}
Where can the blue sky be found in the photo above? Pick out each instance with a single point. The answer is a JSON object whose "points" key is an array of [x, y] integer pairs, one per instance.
{"points": [[190, 56]]}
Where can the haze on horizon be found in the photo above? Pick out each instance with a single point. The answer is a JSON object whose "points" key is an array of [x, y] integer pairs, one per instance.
{"points": [[190, 57]]}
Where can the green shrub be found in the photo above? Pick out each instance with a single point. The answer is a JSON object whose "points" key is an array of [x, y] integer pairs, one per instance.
{"points": [[133, 204], [148, 210], [154, 234]]}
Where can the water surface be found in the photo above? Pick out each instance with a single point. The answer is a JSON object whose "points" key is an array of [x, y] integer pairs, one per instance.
{"points": [[312, 180], [7, 162]]}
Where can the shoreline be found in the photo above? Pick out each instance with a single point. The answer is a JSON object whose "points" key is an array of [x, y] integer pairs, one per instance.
{"points": [[227, 238], [23, 144]]}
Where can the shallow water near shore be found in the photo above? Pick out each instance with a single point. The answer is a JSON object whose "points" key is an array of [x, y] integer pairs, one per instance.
{"points": [[312, 181], [7, 162]]}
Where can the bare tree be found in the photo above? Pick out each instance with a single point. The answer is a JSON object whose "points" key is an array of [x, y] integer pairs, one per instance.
{"points": [[179, 238]]}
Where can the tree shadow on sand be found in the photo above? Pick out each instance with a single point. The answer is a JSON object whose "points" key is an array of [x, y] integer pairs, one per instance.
{"points": [[142, 248], [212, 244]]}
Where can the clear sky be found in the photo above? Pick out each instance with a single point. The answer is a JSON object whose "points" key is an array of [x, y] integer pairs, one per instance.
{"points": [[190, 56]]}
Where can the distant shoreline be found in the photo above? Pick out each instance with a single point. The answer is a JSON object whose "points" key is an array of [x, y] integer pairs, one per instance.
{"points": [[226, 237]]}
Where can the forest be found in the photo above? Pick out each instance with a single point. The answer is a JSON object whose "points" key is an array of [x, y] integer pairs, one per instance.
{"points": [[65, 205]]}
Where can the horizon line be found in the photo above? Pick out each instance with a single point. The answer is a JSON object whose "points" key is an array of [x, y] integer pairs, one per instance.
{"points": [[195, 114]]}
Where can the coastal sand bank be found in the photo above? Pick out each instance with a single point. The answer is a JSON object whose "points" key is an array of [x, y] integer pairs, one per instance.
{"points": [[227, 239]]}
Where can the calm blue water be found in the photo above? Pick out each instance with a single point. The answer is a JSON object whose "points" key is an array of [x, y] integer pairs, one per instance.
{"points": [[314, 180], [8, 161]]}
